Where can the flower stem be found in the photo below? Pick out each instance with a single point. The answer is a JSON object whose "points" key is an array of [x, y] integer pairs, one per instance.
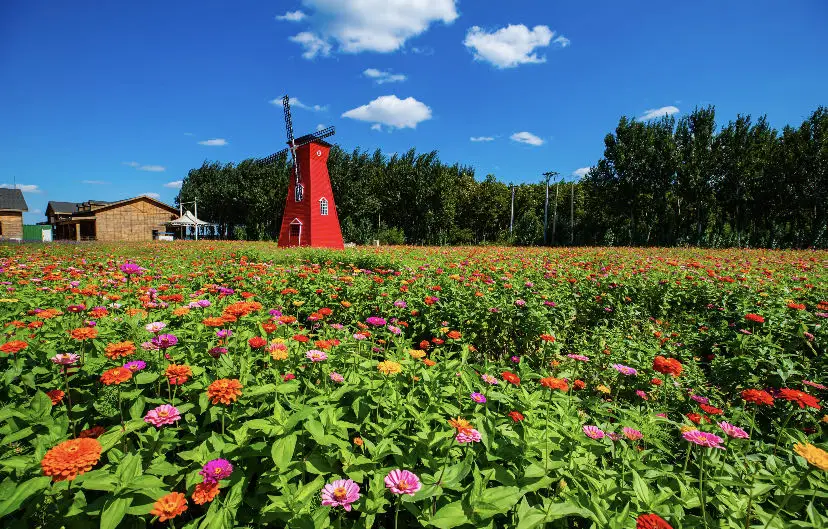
{"points": [[787, 498]]}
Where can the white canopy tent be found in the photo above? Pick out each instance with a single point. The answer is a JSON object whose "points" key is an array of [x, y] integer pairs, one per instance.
{"points": [[189, 220]]}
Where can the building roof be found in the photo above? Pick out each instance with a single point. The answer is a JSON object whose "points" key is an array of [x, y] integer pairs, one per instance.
{"points": [[62, 207], [133, 199], [12, 199], [310, 138]]}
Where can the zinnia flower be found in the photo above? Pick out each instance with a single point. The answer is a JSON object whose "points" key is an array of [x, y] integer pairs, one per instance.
{"points": [[593, 432], [402, 482], [667, 366], [55, 396], [178, 374], [336, 377], [315, 355], [340, 493], [389, 367], [117, 350], [224, 390], [815, 456], [132, 269], [755, 318], [511, 378], [580, 358], [256, 342], [733, 431], [376, 321], [71, 458], [169, 506], [216, 470], [164, 341], [155, 327], [163, 415], [468, 436], [757, 396], [651, 521], [65, 359], [624, 370], [116, 375], [516, 416], [799, 397], [205, 493], [703, 439], [478, 398], [631, 433], [555, 383]]}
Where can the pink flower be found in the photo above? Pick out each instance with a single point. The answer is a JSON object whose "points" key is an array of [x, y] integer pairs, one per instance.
{"points": [[336, 377], [594, 432], [624, 370], [478, 398], [733, 431], [631, 433], [402, 482], [580, 358], [340, 493], [468, 436], [489, 379], [703, 439], [316, 356], [641, 394], [700, 399], [163, 415]]}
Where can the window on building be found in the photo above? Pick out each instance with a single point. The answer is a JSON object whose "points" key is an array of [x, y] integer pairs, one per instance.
{"points": [[323, 206], [298, 192]]}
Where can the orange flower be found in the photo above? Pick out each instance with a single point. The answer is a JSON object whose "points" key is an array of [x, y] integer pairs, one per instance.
{"points": [[554, 383], [511, 378], [84, 333], [178, 374], [71, 458], [169, 506], [205, 492], [429, 362], [13, 347], [181, 311], [547, 338], [224, 390], [453, 335], [213, 322], [460, 424], [119, 350], [358, 441], [116, 375], [667, 366]]}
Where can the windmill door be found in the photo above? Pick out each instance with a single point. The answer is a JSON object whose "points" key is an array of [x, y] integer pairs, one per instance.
{"points": [[295, 234]]}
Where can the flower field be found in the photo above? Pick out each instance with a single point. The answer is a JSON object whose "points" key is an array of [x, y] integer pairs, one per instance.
{"points": [[219, 385]]}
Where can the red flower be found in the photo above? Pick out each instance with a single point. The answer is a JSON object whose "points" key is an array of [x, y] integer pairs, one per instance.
{"points": [[554, 383], [289, 376], [511, 378], [796, 306], [301, 338], [424, 345], [755, 318], [712, 410], [667, 366], [695, 418], [799, 397], [516, 416], [579, 384], [547, 338], [656, 382], [651, 521], [257, 342], [55, 396], [757, 396]]}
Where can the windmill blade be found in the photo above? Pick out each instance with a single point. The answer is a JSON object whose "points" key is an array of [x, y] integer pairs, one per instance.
{"points": [[288, 119], [273, 158], [324, 133]]}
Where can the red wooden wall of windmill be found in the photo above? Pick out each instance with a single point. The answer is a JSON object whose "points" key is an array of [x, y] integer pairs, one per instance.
{"points": [[317, 230]]}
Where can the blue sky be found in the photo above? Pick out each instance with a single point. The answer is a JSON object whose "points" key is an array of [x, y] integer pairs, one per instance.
{"points": [[107, 100]]}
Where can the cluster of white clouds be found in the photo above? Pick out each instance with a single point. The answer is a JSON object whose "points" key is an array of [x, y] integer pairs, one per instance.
{"points": [[215, 142], [513, 45], [391, 111], [381, 77], [150, 168], [658, 112], [26, 188]]}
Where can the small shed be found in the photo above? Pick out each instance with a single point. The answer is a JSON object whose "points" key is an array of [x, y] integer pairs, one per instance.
{"points": [[12, 206], [139, 218]]}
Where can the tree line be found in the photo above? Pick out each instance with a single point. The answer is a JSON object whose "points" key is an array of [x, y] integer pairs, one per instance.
{"points": [[659, 182]]}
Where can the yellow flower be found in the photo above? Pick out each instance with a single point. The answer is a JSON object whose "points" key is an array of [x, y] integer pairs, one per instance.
{"points": [[825, 418], [417, 353], [9, 300], [389, 367], [298, 303], [763, 294], [815, 456], [686, 428], [444, 330], [603, 389]]}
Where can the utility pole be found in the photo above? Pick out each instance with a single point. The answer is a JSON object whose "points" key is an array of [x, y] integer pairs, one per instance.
{"points": [[512, 217], [195, 207], [548, 175], [572, 215]]}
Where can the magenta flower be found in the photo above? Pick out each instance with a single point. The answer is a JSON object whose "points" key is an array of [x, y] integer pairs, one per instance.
{"points": [[65, 359], [402, 482], [360, 336], [641, 394], [593, 432], [163, 415], [700, 399], [703, 439], [316, 356], [164, 341], [216, 470], [336, 377], [376, 321], [400, 304], [136, 365], [224, 333], [478, 398], [624, 370], [131, 269], [468, 436], [216, 352], [580, 358], [340, 493], [631, 433], [489, 379], [733, 431]]}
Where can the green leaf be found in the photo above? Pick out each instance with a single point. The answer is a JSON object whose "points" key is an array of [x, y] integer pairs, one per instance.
{"points": [[282, 451], [641, 489], [497, 500], [449, 516], [23, 492], [114, 511], [529, 517], [129, 468], [145, 377], [40, 406], [136, 411]]}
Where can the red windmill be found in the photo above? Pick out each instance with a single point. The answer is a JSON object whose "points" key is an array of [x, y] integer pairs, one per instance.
{"points": [[310, 217]]}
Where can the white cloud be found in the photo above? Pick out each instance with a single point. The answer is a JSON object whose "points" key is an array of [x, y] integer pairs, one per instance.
{"points": [[376, 126], [294, 102], [132, 164], [215, 142], [319, 127], [511, 46], [26, 188], [369, 25], [152, 168], [381, 77], [175, 184], [292, 16], [392, 111], [481, 138], [582, 172], [313, 45], [156, 196], [94, 182], [526, 137], [658, 112]]}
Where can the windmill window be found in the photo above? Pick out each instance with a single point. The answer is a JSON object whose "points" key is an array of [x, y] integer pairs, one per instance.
{"points": [[298, 192], [323, 206]]}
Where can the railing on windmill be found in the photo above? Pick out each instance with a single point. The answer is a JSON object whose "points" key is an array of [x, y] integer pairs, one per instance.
{"points": [[304, 140]]}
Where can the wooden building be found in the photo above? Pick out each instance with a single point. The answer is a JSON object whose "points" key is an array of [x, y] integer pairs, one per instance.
{"points": [[134, 219], [12, 206]]}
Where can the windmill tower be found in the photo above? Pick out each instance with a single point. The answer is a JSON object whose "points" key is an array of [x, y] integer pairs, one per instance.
{"points": [[310, 217]]}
